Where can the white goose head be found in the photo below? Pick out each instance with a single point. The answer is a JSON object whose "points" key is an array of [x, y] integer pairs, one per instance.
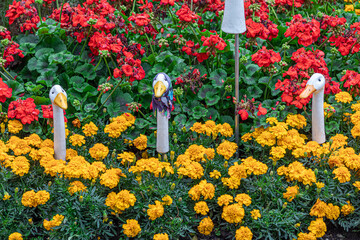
{"points": [[315, 84], [160, 85], [58, 96]]}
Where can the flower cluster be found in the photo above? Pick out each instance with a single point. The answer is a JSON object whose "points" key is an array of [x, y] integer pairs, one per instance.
{"points": [[111, 177], [131, 228], [54, 222], [34, 199], [295, 171], [10, 49], [121, 201], [99, 151], [23, 14], [210, 128], [23, 110], [5, 91], [76, 186], [265, 57], [119, 124], [244, 107], [351, 81], [192, 80], [152, 165]]}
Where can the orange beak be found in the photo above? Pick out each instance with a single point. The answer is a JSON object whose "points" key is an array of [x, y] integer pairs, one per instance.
{"points": [[307, 91], [61, 101]]}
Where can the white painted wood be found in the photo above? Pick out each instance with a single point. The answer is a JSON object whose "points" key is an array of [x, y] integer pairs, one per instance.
{"points": [[234, 17], [318, 122], [59, 133], [162, 133]]}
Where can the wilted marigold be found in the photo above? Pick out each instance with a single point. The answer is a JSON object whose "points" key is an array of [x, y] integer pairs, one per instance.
{"points": [[131, 228], [140, 142], [99, 151], [155, 210], [90, 129], [76, 123], [206, 226], [343, 97], [227, 149], [14, 126], [243, 233], [201, 208]]}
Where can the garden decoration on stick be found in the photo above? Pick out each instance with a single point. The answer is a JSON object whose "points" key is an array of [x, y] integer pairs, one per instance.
{"points": [[162, 104], [234, 23], [58, 99], [316, 86]]}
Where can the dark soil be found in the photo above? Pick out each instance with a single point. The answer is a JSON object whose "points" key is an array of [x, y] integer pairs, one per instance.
{"points": [[338, 233]]}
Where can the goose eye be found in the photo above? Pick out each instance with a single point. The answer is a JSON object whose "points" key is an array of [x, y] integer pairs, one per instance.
{"points": [[319, 80], [52, 92]]}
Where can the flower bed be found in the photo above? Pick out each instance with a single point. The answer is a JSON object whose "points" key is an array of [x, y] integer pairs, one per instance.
{"points": [[114, 185]]}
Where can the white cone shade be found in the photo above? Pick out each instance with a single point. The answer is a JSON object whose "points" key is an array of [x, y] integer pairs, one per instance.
{"points": [[234, 17]]}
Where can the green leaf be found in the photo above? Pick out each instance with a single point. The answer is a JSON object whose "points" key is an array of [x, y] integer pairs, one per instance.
{"points": [[86, 70], [51, 42], [32, 63], [43, 52], [181, 120], [116, 102], [141, 123], [16, 87], [205, 90], [251, 69], [39, 100], [163, 56], [212, 99], [249, 80], [218, 77], [228, 119], [90, 107], [48, 79], [144, 88], [61, 57], [254, 92], [199, 112]]}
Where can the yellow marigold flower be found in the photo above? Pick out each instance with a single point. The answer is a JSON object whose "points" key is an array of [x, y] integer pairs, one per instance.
{"points": [[32, 199], [226, 149], [318, 227], [209, 153], [131, 228], [342, 174], [279, 130], [238, 171], [233, 213], [167, 200], [111, 177], [34, 140], [140, 142], [277, 152], [243, 198], [246, 137], [319, 185], [76, 186], [55, 221], [226, 130], [47, 143], [70, 153], [231, 182], [198, 127], [196, 152], [201, 208], [243, 233], [127, 157], [90, 129], [121, 201], [225, 200], [99, 151], [266, 139], [349, 8], [291, 193], [115, 128], [357, 184], [205, 189], [328, 110], [306, 236], [253, 166], [206, 226], [298, 121], [6, 196], [332, 212], [152, 165], [161, 236], [77, 140], [19, 146], [155, 210], [255, 214], [319, 209], [355, 131], [15, 236], [272, 120], [343, 97], [20, 165], [14, 126], [215, 174], [347, 209], [129, 118], [339, 140]]}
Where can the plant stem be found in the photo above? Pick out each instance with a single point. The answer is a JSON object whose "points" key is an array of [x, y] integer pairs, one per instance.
{"points": [[178, 100], [332, 62], [8, 73], [133, 7], [97, 100], [293, 6], [142, 114], [75, 47], [98, 64], [267, 86], [87, 37], [61, 12], [5, 76], [151, 48], [107, 67], [110, 94], [193, 30]]}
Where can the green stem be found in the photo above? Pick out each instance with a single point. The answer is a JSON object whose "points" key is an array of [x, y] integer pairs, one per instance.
{"points": [[272, 9], [5, 76], [191, 5], [332, 62], [293, 6], [142, 114], [178, 100], [97, 100], [107, 65], [193, 30], [171, 15], [110, 94], [57, 3], [98, 64], [39, 12], [72, 52], [112, 60], [323, 43], [133, 7], [152, 50], [62, 5], [267, 86], [87, 37], [8, 73]]}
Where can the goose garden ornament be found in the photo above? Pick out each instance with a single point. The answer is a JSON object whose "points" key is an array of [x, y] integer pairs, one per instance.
{"points": [[162, 104], [58, 99], [315, 86]]}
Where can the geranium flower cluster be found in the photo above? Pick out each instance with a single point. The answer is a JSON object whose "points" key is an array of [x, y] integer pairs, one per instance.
{"points": [[48, 112], [192, 80], [5, 91], [348, 41], [142, 24], [186, 16], [210, 128], [307, 31], [24, 110], [23, 14], [9, 49], [307, 62], [351, 81], [266, 57], [244, 107], [289, 3]]}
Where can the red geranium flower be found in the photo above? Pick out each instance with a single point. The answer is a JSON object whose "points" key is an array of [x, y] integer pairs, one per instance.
{"points": [[265, 57], [127, 69], [186, 15], [243, 114], [5, 91], [23, 110], [48, 112]]}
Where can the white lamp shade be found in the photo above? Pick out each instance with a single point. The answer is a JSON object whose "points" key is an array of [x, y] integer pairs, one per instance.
{"points": [[234, 17]]}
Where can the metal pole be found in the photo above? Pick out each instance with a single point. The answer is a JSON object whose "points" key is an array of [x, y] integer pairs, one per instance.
{"points": [[237, 90]]}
